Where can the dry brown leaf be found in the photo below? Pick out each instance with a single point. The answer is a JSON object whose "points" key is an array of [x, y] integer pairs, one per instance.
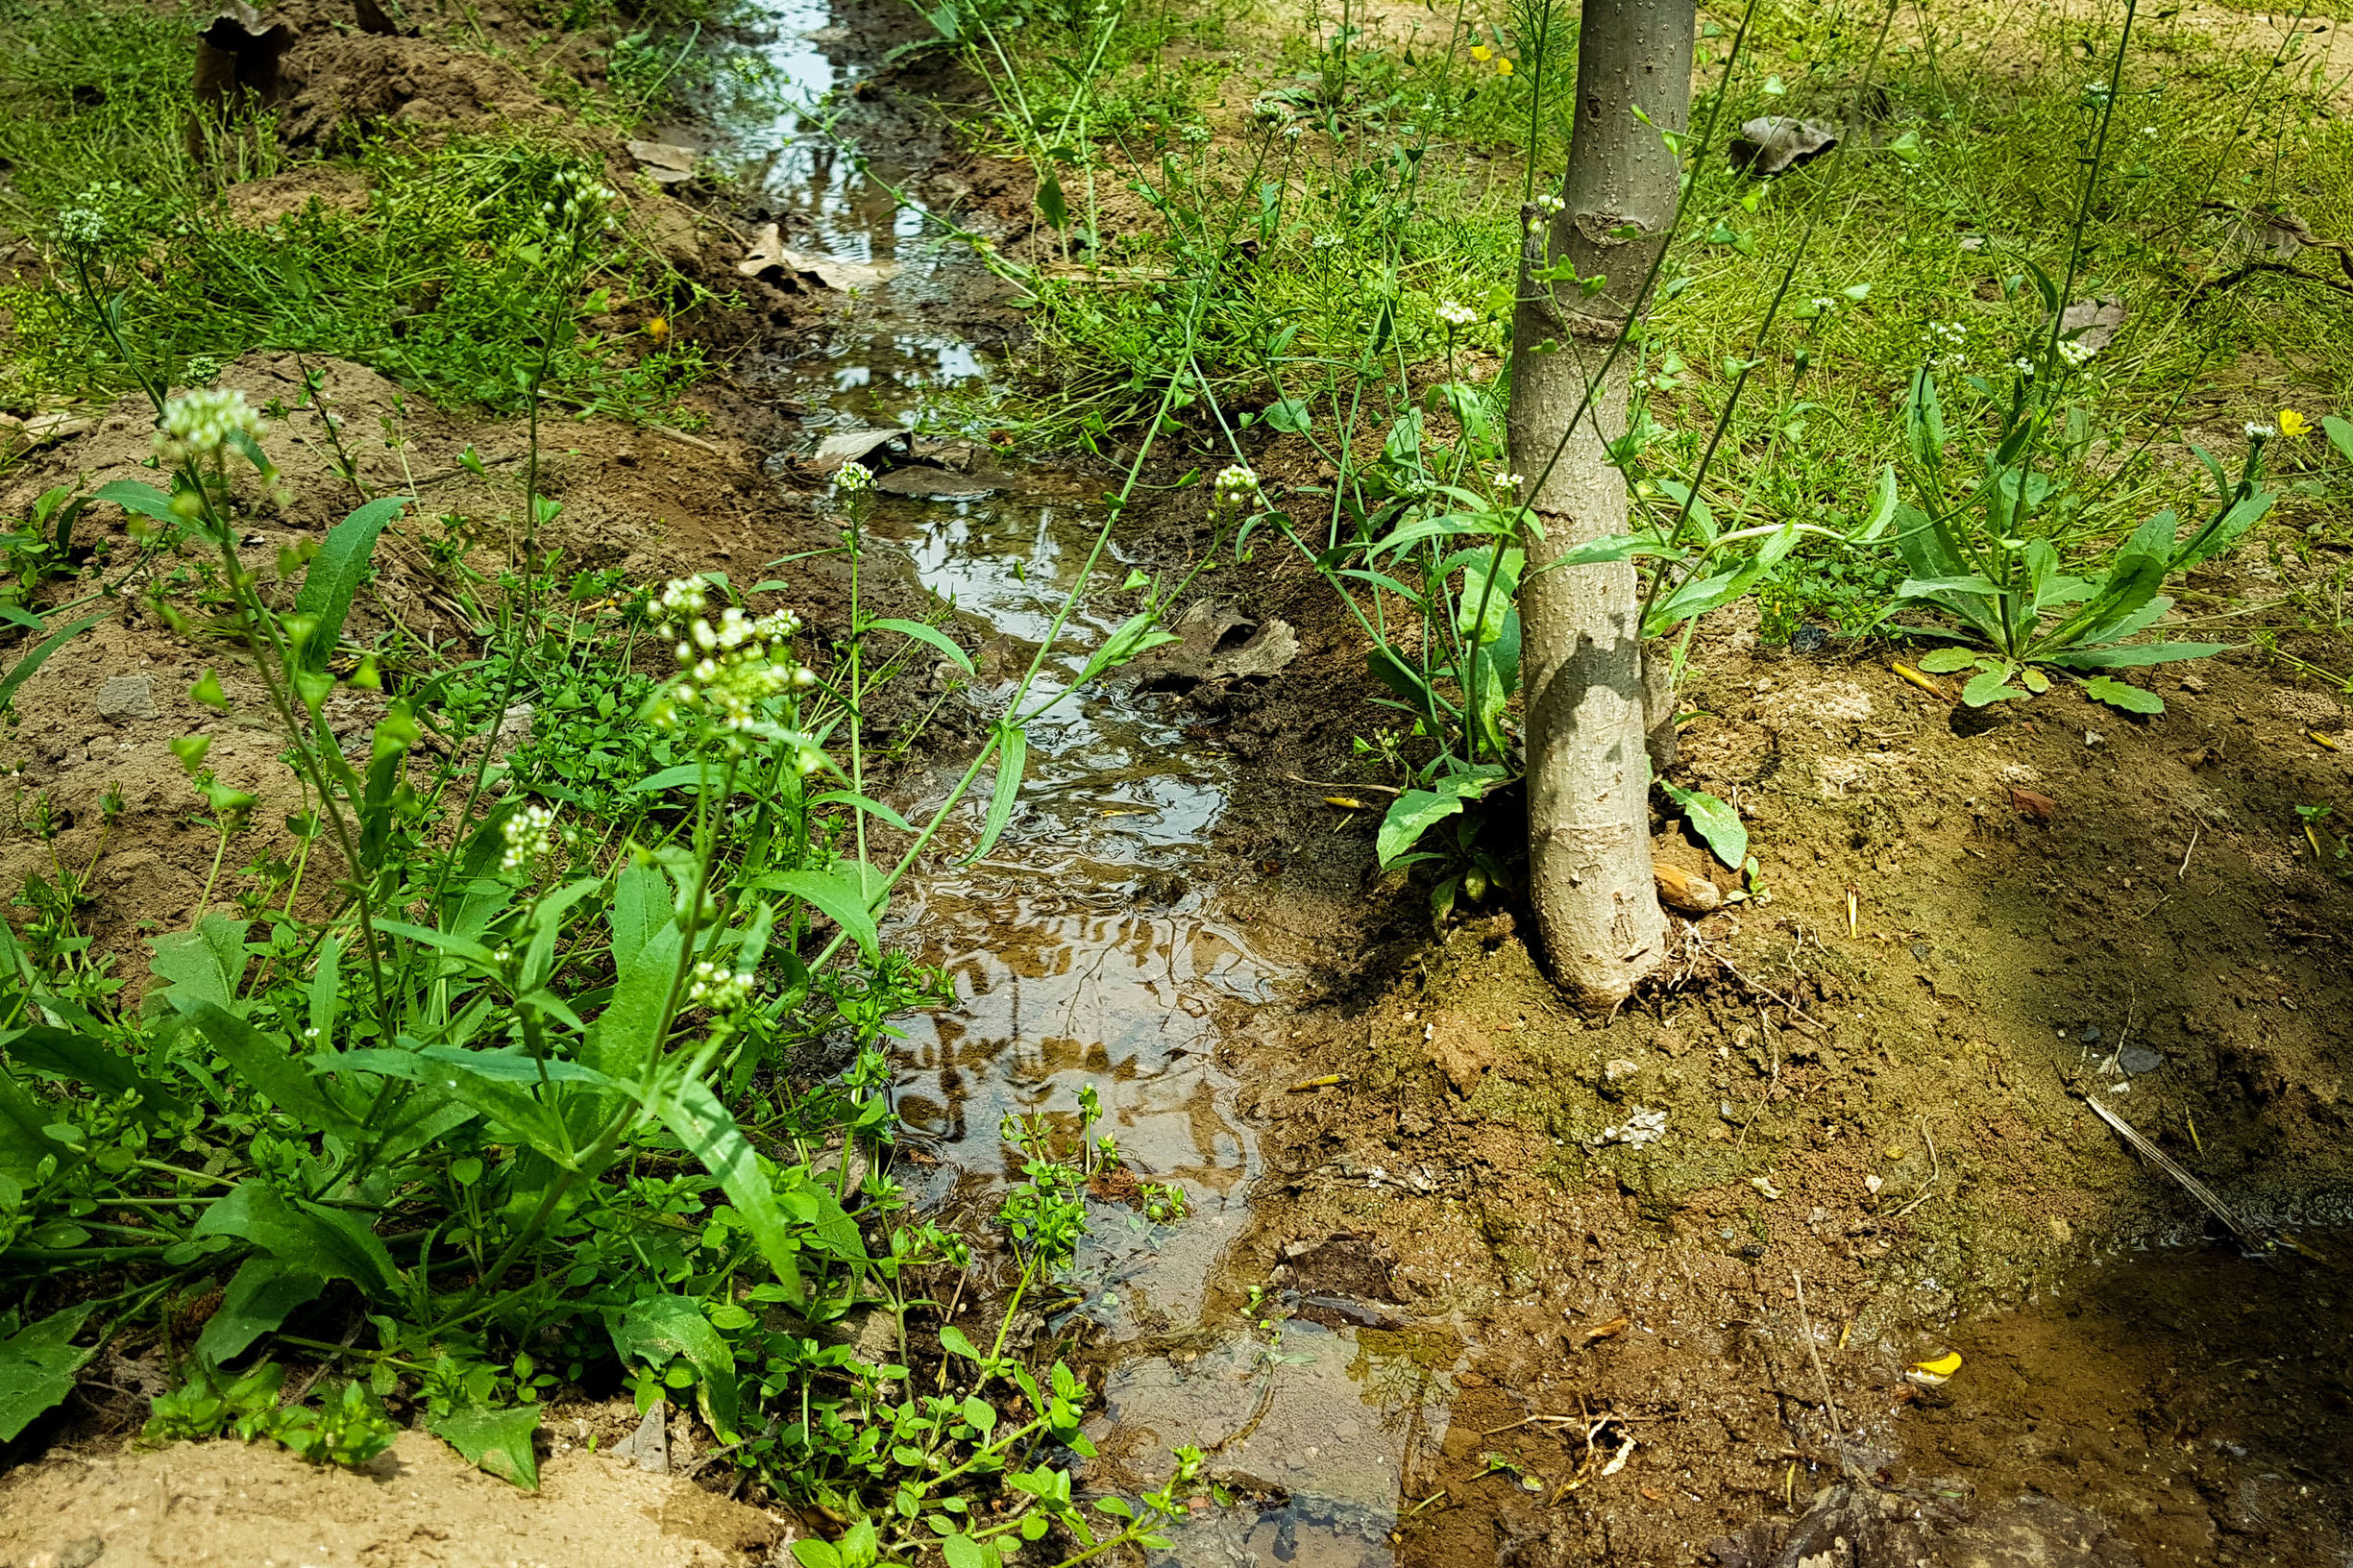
{"points": [[2035, 808], [1685, 890]]}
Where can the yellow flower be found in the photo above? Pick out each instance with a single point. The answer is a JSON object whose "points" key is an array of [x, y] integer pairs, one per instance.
{"points": [[1502, 68], [2292, 425], [658, 328], [1480, 52]]}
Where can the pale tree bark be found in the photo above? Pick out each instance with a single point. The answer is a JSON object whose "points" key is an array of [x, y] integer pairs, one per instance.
{"points": [[1588, 806]]}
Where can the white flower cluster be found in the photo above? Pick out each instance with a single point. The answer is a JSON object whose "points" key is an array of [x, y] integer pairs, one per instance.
{"points": [[1456, 315], [2076, 353], [197, 425], [1196, 133], [731, 668], [92, 221], [1948, 342], [1293, 131], [2262, 432], [1325, 242], [530, 837], [579, 202], [716, 987], [1235, 489], [1507, 482], [852, 478]]}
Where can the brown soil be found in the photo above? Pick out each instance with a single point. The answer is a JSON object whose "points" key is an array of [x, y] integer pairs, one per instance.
{"points": [[1885, 1113], [416, 1504]]}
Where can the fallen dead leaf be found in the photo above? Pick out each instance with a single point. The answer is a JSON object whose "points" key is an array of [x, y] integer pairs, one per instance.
{"points": [[2035, 808], [1611, 1330], [1683, 889], [770, 260]]}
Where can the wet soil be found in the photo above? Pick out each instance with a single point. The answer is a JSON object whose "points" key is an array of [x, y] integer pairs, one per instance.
{"points": [[1429, 1309]]}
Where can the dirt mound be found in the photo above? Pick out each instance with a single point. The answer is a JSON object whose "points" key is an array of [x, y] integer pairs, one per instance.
{"points": [[417, 1504], [336, 84]]}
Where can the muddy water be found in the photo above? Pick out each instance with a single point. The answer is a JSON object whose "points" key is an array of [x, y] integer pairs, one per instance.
{"points": [[1091, 947]]}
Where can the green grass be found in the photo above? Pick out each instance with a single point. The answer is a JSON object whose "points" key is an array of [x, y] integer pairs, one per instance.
{"points": [[1403, 189], [433, 279]]}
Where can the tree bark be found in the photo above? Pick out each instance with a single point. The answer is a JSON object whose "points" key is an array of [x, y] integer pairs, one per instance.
{"points": [[1589, 798]]}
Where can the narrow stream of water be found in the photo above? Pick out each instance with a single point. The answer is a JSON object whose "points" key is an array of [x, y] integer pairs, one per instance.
{"points": [[1091, 947]]}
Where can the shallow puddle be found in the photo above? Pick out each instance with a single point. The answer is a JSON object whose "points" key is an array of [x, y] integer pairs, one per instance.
{"points": [[1090, 947]]}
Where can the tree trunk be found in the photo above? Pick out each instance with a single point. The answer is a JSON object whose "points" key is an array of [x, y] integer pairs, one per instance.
{"points": [[1589, 798]]}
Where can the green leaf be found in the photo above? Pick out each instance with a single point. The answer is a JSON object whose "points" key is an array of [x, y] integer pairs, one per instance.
{"points": [[132, 496], [811, 1553], [1289, 416], [933, 635], [497, 1442], [23, 1142], [1409, 816], [710, 1132], [641, 907], [1945, 661], [1726, 835], [61, 1053], [659, 1328], [963, 1552], [628, 1033], [952, 1340], [979, 1415], [258, 1300], [1012, 754], [203, 965], [1135, 636], [38, 1366], [838, 896], [1991, 685], [2118, 694], [23, 668], [338, 571], [265, 1063], [865, 804], [2339, 435], [330, 1242], [1052, 205], [2132, 655]]}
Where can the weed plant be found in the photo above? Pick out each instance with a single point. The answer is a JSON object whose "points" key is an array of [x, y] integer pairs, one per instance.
{"points": [[511, 1078]]}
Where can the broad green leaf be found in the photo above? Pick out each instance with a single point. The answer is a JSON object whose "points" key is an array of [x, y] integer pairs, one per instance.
{"points": [[23, 668], [1052, 205], [659, 1329], [838, 896], [811, 1553], [22, 1142], [2132, 655], [338, 571], [952, 1340], [2339, 435], [132, 496], [628, 1033], [267, 1062], [316, 1240], [641, 907], [1289, 416], [1945, 661], [38, 1366], [710, 1132], [1990, 686], [963, 1552], [257, 1301], [61, 1053], [2118, 694], [1726, 835], [1409, 816], [979, 1415], [497, 1442], [933, 635], [1012, 754]]}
